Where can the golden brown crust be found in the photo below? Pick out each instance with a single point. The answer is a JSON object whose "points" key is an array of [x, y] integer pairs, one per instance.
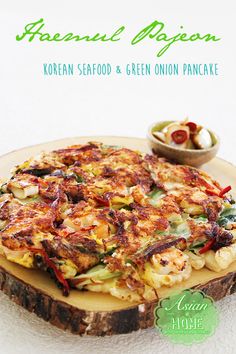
{"points": [[84, 205]]}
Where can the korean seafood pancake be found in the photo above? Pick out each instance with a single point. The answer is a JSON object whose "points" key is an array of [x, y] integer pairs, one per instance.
{"points": [[109, 219]]}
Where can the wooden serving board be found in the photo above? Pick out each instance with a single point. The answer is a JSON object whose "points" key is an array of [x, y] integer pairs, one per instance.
{"points": [[84, 312]]}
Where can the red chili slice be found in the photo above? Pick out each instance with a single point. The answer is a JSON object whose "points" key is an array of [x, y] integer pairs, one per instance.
{"points": [[211, 192], [192, 126], [179, 136], [102, 201], [87, 228], [221, 193], [207, 246], [224, 191], [57, 272]]}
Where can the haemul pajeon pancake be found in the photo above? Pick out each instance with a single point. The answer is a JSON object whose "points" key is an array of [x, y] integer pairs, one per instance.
{"points": [[110, 219]]}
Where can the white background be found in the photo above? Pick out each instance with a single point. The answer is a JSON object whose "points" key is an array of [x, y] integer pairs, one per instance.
{"points": [[35, 108]]}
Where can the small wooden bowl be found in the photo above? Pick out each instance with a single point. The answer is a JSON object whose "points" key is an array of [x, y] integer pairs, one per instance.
{"points": [[189, 157]]}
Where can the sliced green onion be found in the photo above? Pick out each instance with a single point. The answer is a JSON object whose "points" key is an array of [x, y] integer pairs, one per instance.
{"points": [[95, 274]]}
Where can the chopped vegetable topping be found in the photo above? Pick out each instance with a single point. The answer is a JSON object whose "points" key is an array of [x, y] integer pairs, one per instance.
{"points": [[227, 217], [52, 266], [224, 191], [212, 192], [207, 246]]}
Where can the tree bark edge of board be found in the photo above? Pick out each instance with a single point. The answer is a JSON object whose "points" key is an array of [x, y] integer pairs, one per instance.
{"points": [[78, 321]]}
